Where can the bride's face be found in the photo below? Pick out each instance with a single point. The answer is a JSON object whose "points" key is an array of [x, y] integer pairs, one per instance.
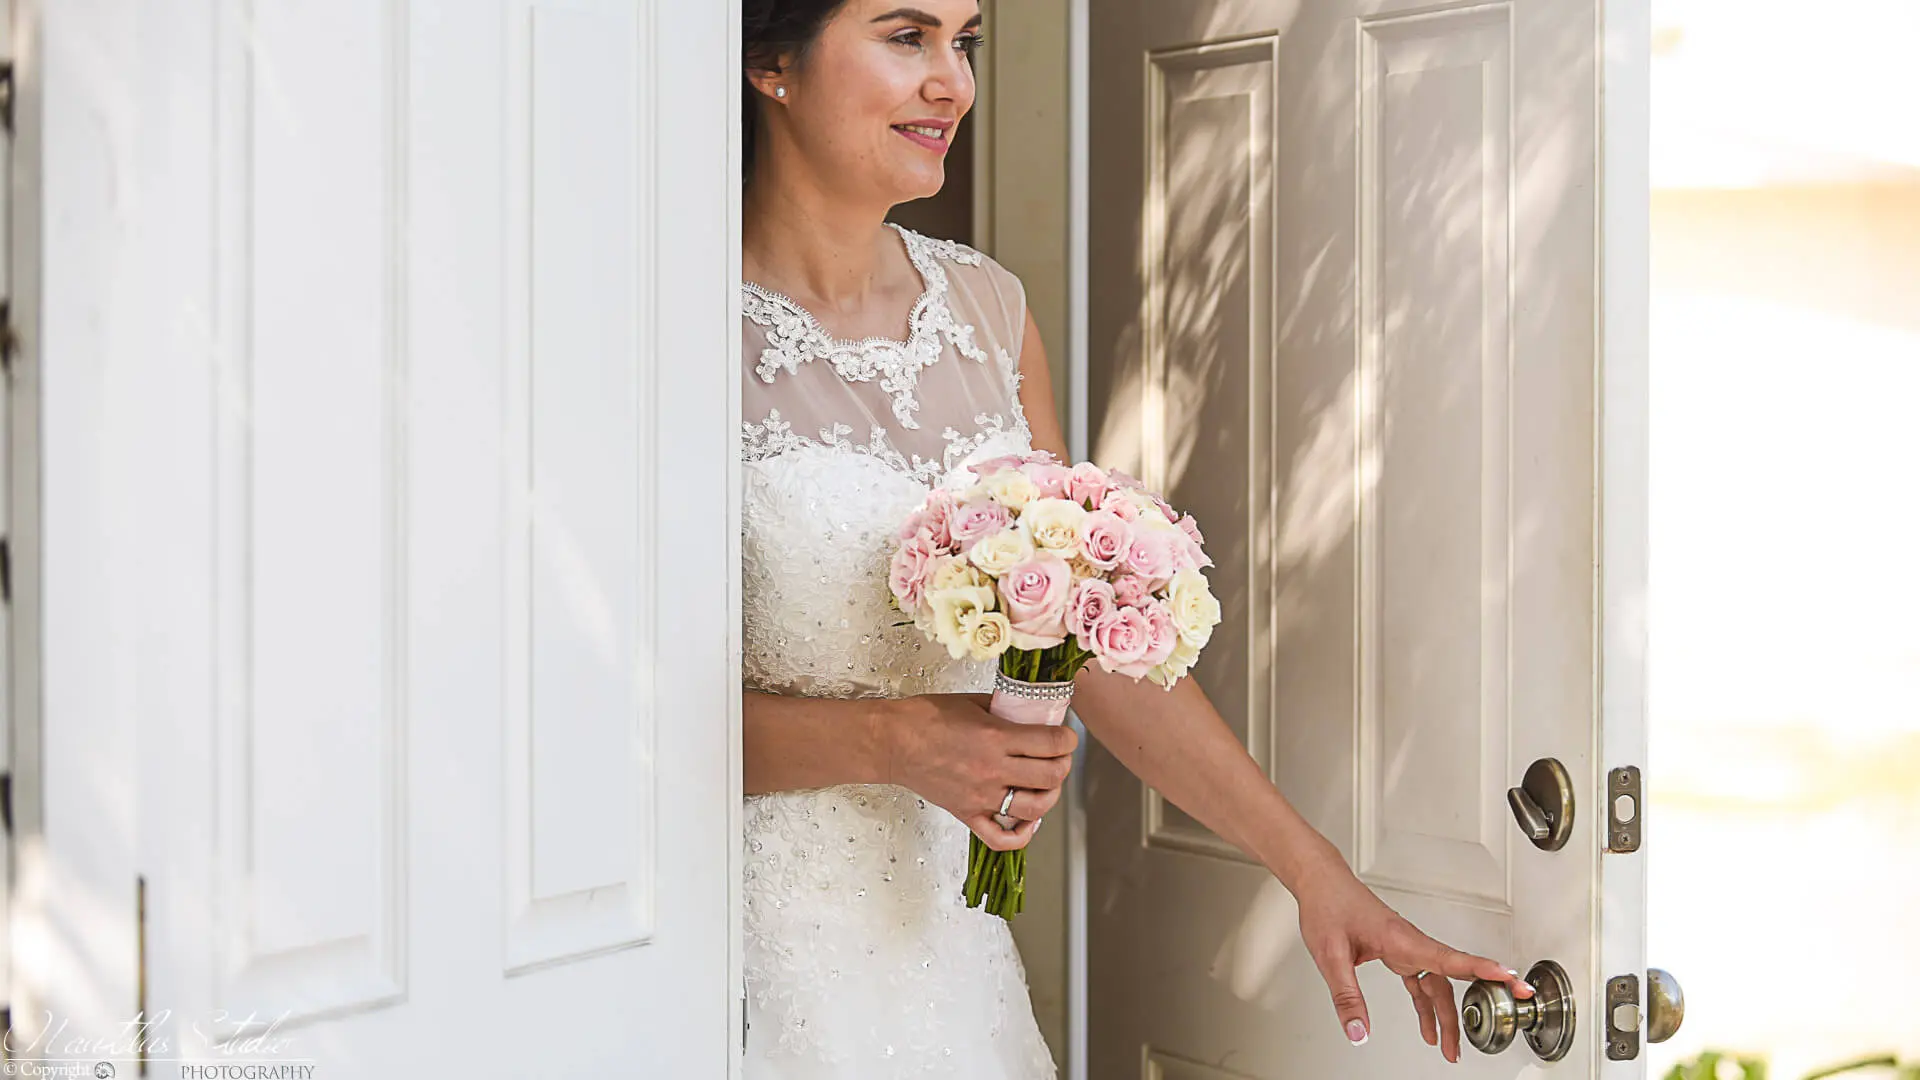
{"points": [[881, 92]]}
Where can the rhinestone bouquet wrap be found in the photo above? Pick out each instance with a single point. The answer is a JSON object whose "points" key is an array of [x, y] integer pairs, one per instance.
{"points": [[1047, 567]]}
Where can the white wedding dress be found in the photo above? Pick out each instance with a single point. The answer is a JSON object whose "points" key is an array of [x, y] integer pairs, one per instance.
{"points": [[862, 960]]}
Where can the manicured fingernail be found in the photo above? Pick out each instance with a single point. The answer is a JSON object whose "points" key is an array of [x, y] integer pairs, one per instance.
{"points": [[1513, 973], [1356, 1033]]}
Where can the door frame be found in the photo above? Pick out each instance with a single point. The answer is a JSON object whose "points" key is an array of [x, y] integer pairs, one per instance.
{"points": [[1624, 37], [20, 730]]}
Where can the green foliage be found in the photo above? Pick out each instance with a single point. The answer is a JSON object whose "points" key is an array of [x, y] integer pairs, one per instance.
{"points": [[1709, 1066]]}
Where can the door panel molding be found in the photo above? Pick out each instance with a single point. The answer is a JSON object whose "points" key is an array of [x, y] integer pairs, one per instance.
{"points": [[1434, 514], [1206, 394], [581, 425], [310, 520]]}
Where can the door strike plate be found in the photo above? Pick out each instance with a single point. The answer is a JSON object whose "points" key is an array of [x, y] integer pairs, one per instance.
{"points": [[1624, 810], [1623, 1018]]}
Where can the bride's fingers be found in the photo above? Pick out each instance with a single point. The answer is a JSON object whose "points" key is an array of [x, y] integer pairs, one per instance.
{"points": [[1440, 997], [1036, 773], [1422, 1008], [1416, 950], [1028, 805], [997, 838]]}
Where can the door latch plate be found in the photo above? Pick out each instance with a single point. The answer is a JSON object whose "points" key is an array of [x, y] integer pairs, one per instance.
{"points": [[1624, 809], [1623, 1043]]}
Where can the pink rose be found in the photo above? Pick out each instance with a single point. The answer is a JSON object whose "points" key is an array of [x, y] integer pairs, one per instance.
{"points": [[1121, 637], [1116, 502], [1151, 555], [1191, 527], [1161, 637], [1052, 479], [1130, 589], [1035, 595], [1120, 479], [1087, 484], [939, 518], [933, 517], [1104, 538], [912, 568], [1092, 599], [989, 466], [910, 527], [975, 519], [1162, 634], [1195, 551]]}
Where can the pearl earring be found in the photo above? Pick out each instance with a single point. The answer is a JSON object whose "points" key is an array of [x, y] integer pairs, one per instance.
{"points": [[779, 91]]}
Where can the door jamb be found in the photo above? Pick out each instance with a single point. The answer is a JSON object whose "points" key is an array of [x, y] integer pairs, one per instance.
{"points": [[1623, 41]]}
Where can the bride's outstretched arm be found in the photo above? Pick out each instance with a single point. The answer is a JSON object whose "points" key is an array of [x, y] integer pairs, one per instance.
{"points": [[1176, 742]]}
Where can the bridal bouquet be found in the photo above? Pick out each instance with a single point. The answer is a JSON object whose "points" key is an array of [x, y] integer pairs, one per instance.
{"points": [[1045, 568]]}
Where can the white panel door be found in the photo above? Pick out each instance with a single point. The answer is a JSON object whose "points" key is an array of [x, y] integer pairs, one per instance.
{"points": [[1345, 306], [390, 570]]}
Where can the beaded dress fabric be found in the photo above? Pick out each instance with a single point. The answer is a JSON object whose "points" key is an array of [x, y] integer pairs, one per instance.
{"points": [[862, 961]]}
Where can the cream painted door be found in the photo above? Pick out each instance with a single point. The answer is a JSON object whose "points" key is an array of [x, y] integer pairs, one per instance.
{"points": [[1346, 306], [389, 579]]}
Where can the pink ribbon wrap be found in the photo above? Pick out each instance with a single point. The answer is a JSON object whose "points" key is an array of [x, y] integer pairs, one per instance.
{"points": [[1028, 703]]}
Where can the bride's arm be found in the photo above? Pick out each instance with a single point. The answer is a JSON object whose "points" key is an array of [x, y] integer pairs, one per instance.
{"points": [[793, 743], [1175, 741]]}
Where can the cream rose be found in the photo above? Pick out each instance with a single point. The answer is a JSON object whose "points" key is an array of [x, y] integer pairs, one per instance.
{"points": [[1053, 525], [954, 613], [953, 572], [990, 635], [1196, 611], [1011, 488], [1176, 665], [996, 554]]}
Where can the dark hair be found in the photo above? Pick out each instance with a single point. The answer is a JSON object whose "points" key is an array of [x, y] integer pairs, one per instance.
{"points": [[768, 29]]}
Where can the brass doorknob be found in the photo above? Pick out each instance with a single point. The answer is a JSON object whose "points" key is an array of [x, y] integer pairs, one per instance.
{"points": [[1666, 1005], [1492, 1016]]}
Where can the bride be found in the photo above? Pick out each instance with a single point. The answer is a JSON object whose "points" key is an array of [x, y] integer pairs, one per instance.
{"points": [[878, 363]]}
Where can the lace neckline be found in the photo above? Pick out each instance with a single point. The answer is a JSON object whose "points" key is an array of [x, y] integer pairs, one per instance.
{"points": [[795, 337], [916, 315]]}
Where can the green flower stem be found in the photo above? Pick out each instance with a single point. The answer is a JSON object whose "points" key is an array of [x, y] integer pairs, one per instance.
{"points": [[998, 879]]}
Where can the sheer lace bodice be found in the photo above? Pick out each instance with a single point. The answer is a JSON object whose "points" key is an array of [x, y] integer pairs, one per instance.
{"points": [[861, 959]]}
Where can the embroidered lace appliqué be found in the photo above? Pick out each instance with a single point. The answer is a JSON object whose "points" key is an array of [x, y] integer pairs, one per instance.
{"points": [[795, 337], [774, 436], [1011, 368]]}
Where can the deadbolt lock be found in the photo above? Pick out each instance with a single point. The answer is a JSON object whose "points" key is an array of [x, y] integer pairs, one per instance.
{"points": [[1492, 1016], [1543, 804]]}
